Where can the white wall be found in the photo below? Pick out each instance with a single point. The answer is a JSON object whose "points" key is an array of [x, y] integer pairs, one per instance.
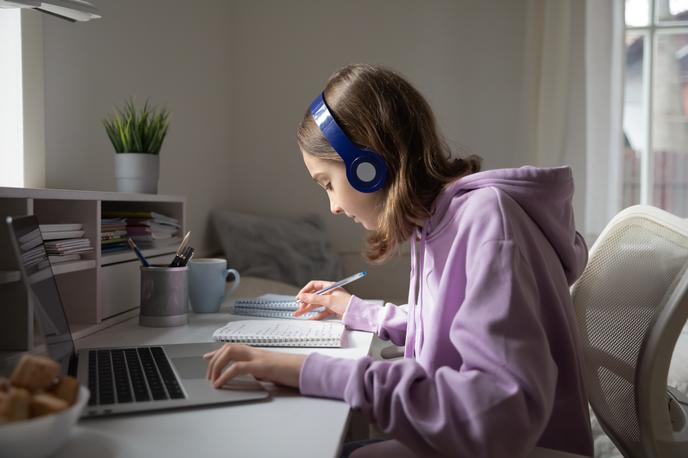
{"points": [[238, 76]]}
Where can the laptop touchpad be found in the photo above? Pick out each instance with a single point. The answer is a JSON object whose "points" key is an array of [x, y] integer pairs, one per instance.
{"points": [[195, 367], [191, 366]]}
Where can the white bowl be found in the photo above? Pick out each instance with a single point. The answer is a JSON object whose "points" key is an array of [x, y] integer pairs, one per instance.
{"points": [[41, 436]]}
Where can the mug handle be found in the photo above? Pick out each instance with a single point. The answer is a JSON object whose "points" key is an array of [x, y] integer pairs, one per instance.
{"points": [[237, 280]]}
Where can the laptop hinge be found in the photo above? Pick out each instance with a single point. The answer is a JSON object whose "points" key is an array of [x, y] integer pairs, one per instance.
{"points": [[73, 364]]}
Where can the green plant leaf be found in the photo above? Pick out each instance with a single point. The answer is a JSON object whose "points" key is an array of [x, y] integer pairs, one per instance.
{"points": [[132, 130]]}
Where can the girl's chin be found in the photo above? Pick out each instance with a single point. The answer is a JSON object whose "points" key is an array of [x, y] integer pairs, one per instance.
{"points": [[366, 226]]}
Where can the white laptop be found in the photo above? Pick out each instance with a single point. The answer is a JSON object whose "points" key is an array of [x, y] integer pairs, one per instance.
{"points": [[120, 379]]}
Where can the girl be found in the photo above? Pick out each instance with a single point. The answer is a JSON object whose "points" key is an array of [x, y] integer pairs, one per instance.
{"points": [[490, 365]]}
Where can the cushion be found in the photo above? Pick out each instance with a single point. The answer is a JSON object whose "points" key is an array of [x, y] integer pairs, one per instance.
{"points": [[291, 250]]}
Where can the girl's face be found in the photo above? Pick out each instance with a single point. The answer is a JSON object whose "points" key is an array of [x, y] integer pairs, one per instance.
{"points": [[364, 208]]}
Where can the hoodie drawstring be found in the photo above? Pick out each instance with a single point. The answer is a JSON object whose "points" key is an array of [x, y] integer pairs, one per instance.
{"points": [[420, 334], [415, 326]]}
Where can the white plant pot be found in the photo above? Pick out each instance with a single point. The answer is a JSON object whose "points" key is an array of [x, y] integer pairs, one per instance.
{"points": [[137, 172]]}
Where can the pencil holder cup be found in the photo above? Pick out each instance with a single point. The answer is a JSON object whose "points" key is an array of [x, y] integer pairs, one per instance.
{"points": [[164, 296]]}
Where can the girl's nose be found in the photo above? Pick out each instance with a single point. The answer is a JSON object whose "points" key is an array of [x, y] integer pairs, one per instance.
{"points": [[335, 209]]}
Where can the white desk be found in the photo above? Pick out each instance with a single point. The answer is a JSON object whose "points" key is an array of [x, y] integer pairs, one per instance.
{"points": [[287, 425]]}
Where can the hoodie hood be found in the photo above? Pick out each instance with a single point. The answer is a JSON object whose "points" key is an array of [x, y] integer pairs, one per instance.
{"points": [[544, 194]]}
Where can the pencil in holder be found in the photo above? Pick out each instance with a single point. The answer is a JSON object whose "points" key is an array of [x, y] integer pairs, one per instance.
{"points": [[164, 296]]}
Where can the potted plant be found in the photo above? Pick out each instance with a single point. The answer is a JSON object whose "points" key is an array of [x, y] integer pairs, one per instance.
{"points": [[137, 136]]}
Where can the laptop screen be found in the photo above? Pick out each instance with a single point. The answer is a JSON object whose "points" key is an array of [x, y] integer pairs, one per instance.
{"points": [[38, 277]]}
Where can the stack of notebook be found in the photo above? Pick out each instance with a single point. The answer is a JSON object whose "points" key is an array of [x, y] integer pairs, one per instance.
{"points": [[278, 306], [65, 242], [113, 235], [270, 306], [147, 229]]}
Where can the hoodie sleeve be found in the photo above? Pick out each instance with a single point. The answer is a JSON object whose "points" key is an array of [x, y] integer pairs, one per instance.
{"points": [[498, 402], [388, 322]]}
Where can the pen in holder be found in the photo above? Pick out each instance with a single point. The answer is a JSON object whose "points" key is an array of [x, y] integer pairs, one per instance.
{"points": [[164, 295]]}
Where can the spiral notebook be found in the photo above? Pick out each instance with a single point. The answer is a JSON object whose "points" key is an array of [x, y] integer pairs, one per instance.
{"points": [[271, 306], [281, 333]]}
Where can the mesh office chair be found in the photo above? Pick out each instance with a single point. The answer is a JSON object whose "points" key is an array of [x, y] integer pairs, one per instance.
{"points": [[631, 303]]}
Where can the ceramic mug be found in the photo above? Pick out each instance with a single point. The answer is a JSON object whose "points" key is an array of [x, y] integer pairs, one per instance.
{"points": [[207, 280]]}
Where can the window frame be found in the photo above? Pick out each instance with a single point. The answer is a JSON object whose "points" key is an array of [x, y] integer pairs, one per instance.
{"points": [[649, 32]]}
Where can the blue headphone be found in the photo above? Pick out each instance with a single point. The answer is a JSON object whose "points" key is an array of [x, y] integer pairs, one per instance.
{"points": [[365, 169]]}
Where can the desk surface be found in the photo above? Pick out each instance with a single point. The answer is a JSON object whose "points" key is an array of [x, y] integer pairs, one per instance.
{"points": [[286, 425]]}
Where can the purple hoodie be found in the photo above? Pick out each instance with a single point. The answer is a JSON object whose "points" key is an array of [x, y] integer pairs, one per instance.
{"points": [[491, 359]]}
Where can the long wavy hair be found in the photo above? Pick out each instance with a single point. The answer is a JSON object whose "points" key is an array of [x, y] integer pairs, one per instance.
{"points": [[379, 110]]}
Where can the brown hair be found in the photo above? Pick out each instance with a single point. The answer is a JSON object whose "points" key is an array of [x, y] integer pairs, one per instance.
{"points": [[379, 110]]}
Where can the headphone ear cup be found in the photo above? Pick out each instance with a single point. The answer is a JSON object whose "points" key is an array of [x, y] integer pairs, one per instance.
{"points": [[358, 161], [358, 171]]}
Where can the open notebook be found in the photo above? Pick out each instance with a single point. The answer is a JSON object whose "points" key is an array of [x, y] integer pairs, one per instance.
{"points": [[281, 333]]}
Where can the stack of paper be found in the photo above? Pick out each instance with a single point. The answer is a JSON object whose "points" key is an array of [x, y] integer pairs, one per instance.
{"points": [[68, 246], [60, 231], [113, 234], [148, 229], [64, 242]]}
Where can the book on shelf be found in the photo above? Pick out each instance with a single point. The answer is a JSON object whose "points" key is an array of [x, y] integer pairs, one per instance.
{"points": [[56, 259], [140, 215], [112, 223], [64, 242], [113, 244], [112, 235], [174, 241], [112, 248], [151, 228], [67, 243], [59, 227], [146, 229], [56, 235]]}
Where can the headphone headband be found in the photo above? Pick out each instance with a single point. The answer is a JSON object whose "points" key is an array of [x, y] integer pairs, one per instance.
{"points": [[358, 161]]}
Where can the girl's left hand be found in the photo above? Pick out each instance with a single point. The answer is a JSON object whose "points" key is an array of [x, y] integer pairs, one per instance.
{"points": [[281, 368]]}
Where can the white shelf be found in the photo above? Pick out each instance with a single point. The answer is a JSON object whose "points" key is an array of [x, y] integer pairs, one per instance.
{"points": [[128, 255], [73, 266], [9, 276], [97, 290], [70, 194], [62, 268]]}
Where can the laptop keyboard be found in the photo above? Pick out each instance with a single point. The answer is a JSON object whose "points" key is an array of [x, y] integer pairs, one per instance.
{"points": [[119, 376]]}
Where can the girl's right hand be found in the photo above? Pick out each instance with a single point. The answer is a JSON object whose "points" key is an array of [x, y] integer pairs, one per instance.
{"points": [[335, 301]]}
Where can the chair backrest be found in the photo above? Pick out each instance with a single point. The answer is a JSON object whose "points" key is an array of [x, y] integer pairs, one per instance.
{"points": [[631, 302]]}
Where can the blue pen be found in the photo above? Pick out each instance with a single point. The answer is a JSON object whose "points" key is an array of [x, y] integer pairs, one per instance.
{"points": [[343, 282], [140, 255]]}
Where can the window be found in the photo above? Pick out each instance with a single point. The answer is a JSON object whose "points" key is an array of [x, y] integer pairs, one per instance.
{"points": [[11, 110], [655, 108]]}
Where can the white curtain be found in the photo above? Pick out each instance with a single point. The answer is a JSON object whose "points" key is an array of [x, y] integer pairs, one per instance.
{"points": [[573, 100], [604, 75], [554, 131]]}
